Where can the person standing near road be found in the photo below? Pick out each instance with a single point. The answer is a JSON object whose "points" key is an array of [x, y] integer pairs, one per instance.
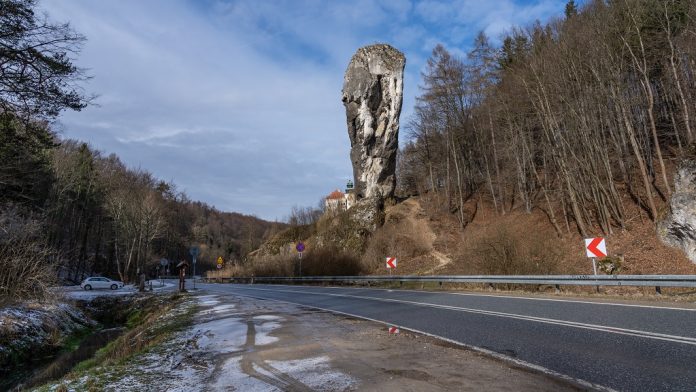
{"points": [[182, 266]]}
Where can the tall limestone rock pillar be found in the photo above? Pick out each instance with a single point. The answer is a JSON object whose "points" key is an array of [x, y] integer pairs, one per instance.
{"points": [[372, 95]]}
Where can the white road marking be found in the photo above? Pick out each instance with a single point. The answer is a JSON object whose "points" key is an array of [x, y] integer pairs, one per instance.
{"points": [[507, 296], [594, 327]]}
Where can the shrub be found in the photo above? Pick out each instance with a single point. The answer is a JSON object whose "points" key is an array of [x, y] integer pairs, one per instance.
{"points": [[502, 253], [26, 267], [272, 266], [610, 265], [316, 262], [330, 261]]}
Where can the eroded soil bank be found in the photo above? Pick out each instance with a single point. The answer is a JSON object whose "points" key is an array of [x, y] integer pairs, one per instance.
{"points": [[244, 344]]}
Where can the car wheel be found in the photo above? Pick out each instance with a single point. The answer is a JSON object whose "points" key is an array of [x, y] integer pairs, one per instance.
{"points": [[114, 287], [88, 287]]}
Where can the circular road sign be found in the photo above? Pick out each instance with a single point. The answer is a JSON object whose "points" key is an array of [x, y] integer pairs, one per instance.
{"points": [[300, 247]]}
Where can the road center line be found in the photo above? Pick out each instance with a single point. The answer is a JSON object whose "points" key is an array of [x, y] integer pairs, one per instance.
{"points": [[573, 324], [576, 301]]}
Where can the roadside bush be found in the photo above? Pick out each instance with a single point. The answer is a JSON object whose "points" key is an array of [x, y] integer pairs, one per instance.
{"points": [[315, 262], [502, 253], [26, 267], [272, 266], [330, 261], [611, 265]]}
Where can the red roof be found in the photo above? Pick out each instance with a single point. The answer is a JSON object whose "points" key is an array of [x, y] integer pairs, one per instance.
{"points": [[335, 195]]}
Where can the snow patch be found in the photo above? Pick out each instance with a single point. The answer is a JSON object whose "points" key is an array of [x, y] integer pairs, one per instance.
{"points": [[315, 372], [218, 309], [269, 317], [232, 377], [263, 331]]}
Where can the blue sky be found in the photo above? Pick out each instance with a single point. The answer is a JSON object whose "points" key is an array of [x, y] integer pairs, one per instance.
{"points": [[239, 102]]}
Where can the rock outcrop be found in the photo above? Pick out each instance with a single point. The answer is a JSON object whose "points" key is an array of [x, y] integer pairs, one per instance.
{"points": [[679, 228], [372, 96]]}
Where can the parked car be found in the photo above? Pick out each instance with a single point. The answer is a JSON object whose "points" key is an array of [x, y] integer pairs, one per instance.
{"points": [[99, 282]]}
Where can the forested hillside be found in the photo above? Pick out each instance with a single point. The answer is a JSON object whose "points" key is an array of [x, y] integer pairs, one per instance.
{"points": [[95, 215], [583, 118], [67, 210]]}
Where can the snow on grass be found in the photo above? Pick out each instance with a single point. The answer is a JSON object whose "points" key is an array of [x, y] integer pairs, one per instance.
{"points": [[33, 326]]}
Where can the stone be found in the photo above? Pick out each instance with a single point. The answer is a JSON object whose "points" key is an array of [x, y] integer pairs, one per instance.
{"points": [[372, 96], [679, 228]]}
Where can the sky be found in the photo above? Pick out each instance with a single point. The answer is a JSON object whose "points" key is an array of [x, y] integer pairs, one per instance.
{"points": [[238, 103]]}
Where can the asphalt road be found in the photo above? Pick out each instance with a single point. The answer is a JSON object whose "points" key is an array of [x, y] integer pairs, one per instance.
{"points": [[618, 346]]}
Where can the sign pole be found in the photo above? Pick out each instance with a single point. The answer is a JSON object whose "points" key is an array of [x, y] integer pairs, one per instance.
{"points": [[594, 268], [594, 265], [300, 247], [194, 272]]}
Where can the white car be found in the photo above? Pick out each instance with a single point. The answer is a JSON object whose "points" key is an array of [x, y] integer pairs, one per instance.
{"points": [[98, 282]]}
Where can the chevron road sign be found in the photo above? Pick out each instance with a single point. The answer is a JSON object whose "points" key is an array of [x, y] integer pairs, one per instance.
{"points": [[595, 247], [391, 262]]}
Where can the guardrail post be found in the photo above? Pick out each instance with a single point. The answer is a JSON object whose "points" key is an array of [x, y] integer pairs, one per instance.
{"points": [[558, 288], [401, 283], [440, 284], [490, 286], [658, 290]]}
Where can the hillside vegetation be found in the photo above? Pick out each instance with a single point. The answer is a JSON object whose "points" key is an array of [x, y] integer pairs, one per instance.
{"points": [[581, 120]]}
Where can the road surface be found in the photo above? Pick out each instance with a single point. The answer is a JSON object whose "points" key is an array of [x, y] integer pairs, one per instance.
{"points": [[625, 347]]}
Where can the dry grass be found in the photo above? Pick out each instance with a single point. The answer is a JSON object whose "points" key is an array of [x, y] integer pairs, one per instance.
{"points": [[330, 261], [315, 262]]}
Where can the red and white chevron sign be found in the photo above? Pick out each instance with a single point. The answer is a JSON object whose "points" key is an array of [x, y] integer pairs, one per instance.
{"points": [[595, 247], [393, 330], [391, 262]]}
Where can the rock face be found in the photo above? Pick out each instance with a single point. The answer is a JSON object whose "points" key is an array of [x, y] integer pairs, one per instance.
{"points": [[372, 95], [679, 228]]}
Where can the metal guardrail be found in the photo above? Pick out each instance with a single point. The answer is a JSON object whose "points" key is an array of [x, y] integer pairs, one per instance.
{"points": [[656, 281]]}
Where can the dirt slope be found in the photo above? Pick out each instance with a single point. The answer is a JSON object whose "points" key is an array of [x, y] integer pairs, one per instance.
{"points": [[428, 241]]}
